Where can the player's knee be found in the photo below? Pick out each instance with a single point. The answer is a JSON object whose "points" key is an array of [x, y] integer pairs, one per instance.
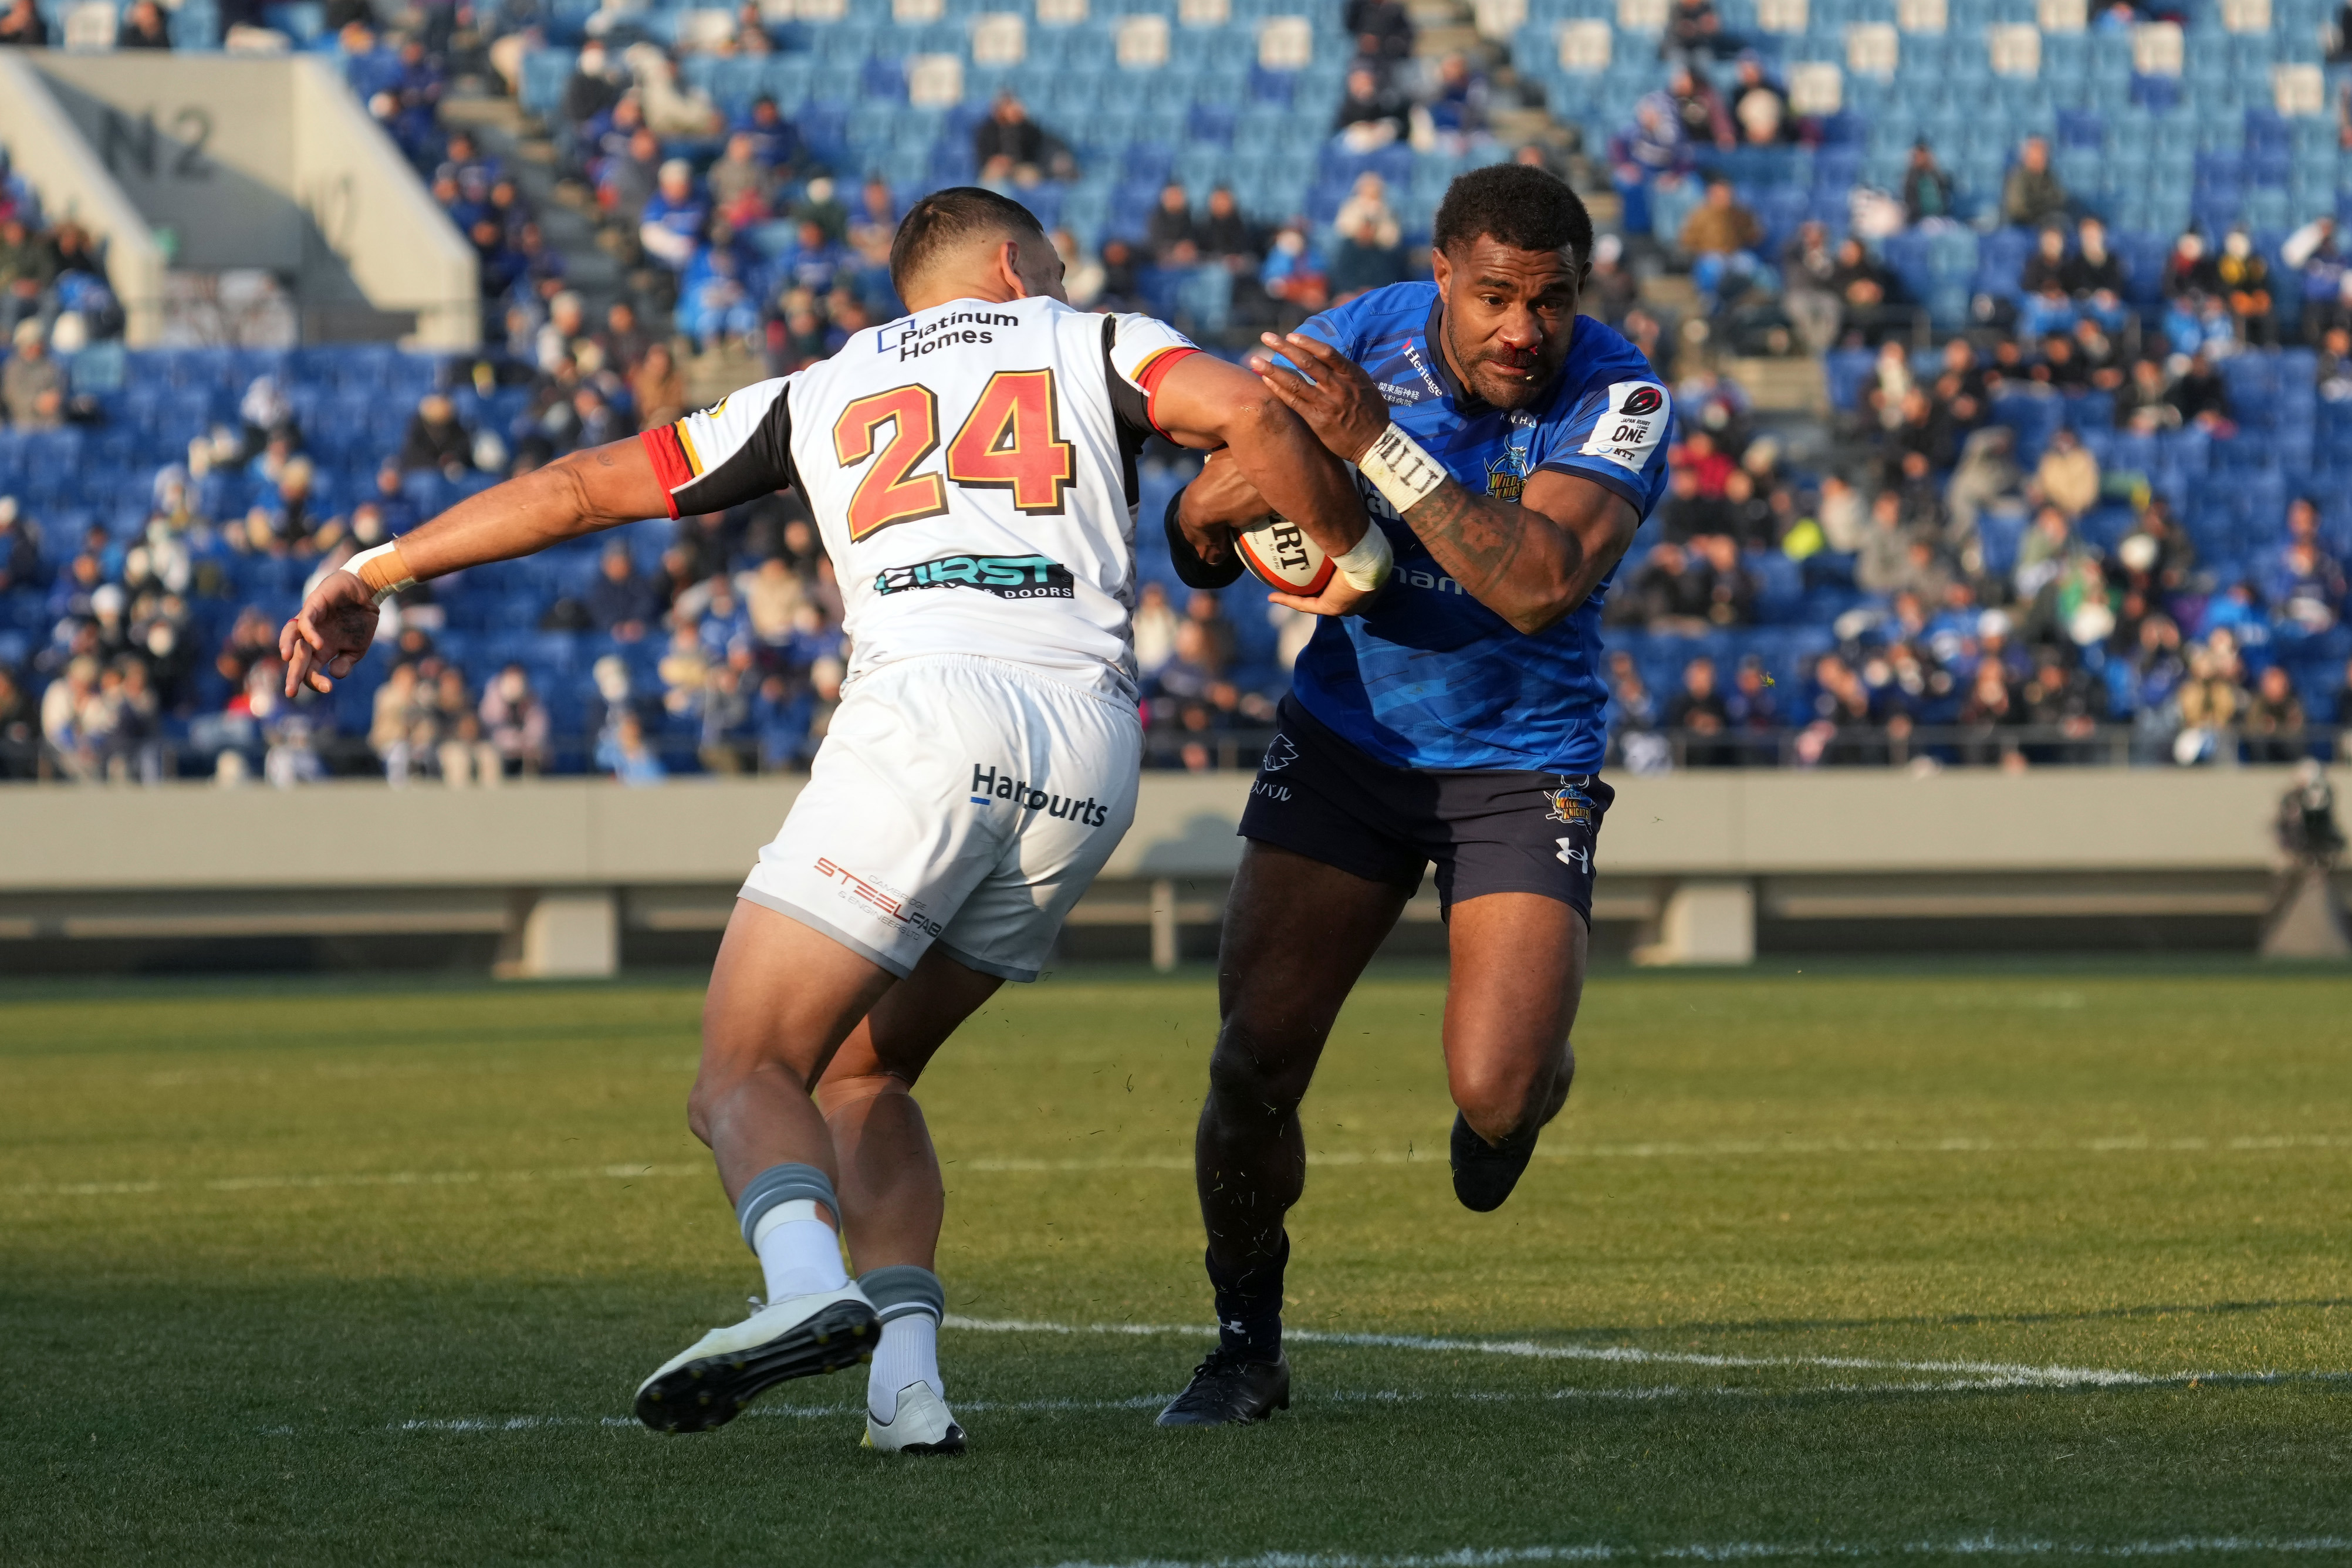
{"points": [[836, 1096], [1250, 1074], [1498, 1099]]}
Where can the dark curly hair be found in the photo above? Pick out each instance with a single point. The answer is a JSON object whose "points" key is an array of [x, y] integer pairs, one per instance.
{"points": [[943, 218], [1518, 205]]}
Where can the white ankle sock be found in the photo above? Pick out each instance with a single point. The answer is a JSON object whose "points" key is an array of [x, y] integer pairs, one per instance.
{"points": [[798, 1252], [910, 1352]]}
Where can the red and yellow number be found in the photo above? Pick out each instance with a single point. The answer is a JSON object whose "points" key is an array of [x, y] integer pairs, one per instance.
{"points": [[1013, 441], [888, 494]]}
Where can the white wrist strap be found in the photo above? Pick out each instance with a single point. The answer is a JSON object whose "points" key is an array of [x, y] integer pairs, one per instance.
{"points": [[1400, 470], [357, 566], [1366, 566]]}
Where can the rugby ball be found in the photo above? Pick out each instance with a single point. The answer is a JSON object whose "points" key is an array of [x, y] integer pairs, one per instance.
{"points": [[1280, 556]]}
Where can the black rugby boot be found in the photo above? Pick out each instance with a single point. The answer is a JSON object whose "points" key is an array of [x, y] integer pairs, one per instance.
{"points": [[1484, 1172], [1228, 1390]]}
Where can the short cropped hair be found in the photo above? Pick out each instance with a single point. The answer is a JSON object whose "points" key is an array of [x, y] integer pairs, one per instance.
{"points": [[945, 219], [1517, 204]]}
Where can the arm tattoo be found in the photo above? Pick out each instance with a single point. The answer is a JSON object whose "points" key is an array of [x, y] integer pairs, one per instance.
{"points": [[1477, 538]]}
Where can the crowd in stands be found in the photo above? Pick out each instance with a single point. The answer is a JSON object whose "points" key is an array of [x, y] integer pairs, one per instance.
{"points": [[2083, 495]]}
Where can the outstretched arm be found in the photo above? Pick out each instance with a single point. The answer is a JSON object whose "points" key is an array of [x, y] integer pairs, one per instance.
{"points": [[1531, 561], [594, 488], [1202, 402]]}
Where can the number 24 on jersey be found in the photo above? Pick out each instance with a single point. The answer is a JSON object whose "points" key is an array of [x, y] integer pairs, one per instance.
{"points": [[1011, 441]]}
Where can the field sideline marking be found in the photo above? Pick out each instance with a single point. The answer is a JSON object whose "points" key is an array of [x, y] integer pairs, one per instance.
{"points": [[1744, 1551], [1152, 1163], [1979, 1373]]}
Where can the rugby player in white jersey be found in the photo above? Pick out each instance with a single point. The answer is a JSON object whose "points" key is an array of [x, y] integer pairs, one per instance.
{"points": [[971, 468]]}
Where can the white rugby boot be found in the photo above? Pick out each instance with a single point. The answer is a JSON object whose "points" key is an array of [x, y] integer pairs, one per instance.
{"points": [[709, 1384], [920, 1426]]}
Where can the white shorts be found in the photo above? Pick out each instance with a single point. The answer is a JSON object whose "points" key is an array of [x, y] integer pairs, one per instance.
{"points": [[957, 800]]}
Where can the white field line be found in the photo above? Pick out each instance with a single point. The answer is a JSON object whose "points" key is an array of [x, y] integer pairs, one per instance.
{"points": [[1754, 1550], [1727, 1148]]}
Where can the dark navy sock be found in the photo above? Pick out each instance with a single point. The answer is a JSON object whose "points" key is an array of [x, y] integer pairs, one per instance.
{"points": [[1249, 1306]]}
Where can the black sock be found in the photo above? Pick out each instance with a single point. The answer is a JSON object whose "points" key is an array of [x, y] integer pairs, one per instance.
{"points": [[1249, 1306]]}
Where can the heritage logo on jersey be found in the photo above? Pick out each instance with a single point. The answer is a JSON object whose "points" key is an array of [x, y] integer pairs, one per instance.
{"points": [[1006, 577], [1630, 427]]}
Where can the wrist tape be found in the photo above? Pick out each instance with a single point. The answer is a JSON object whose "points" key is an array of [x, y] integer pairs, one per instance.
{"points": [[383, 570], [1366, 566], [1400, 470]]}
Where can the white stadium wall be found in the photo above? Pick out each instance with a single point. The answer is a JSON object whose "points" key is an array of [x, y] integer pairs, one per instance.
{"points": [[271, 163], [563, 870]]}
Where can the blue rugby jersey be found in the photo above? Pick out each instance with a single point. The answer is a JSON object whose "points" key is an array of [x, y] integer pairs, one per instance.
{"points": [[1429, 678]]}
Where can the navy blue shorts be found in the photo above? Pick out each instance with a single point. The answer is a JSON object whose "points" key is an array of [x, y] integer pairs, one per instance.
{"points": [[1489, 830]]}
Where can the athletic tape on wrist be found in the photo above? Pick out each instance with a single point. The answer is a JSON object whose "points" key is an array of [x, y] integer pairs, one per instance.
{"points": [[1366, 566], [1400, 470], [383, 570]]}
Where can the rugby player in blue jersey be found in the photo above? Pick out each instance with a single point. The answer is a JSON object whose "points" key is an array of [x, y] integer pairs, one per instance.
{"points": [[1509, 449]]}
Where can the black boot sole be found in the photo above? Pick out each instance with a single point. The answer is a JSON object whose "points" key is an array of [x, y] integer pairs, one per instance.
{"points": [[710, 1393]]}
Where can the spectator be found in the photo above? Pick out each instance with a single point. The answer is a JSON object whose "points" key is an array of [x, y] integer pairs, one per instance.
{"points": [[591, 90], [1169, 236], [1293, 275], [773, 141], [2197, 395], [1699, 713], [1758, 106], [1694, 31], [1224, 235], [1456, 102], [2274, 724], [1927, 188], [1609, 289], [2245, 279], [2032, 195], [1383, 31], [436, 440], [1650, 153], [2046, 268], [1363, 263], [1371, 114], [32, 386], [1009, 146], [2208, 704], [621, 604], [1368, 198], [875, 224], [739, 182], [515, 721], [674, 217], [29, 265], [774, 600], [404, 725], [1705, 123], [1721, 236], [2187, 270], [1672, 592], [627, 756], [2094, 274], [2068, 475], [1808, 288], [465, 753], [2307, 594], [143, 28], [1155, 627], [658, 388], [1865, 289]]}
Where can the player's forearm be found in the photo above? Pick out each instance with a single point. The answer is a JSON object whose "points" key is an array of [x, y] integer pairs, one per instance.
{"points": [[1299, 480], [1519, 564], [577, 495]]}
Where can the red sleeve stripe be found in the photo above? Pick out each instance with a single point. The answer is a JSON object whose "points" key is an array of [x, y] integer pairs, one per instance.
{"points": [[670, 466], [1152, 373]]}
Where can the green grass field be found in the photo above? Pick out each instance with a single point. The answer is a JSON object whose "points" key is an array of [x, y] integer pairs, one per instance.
{"points": [[1865, 1264]]}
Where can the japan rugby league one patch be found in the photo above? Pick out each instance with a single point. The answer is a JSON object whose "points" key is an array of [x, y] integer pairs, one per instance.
{"points": [[1629, 429]]}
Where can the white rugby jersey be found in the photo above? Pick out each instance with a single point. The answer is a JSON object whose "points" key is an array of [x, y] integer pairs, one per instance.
{"points": [[972, 468]]}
